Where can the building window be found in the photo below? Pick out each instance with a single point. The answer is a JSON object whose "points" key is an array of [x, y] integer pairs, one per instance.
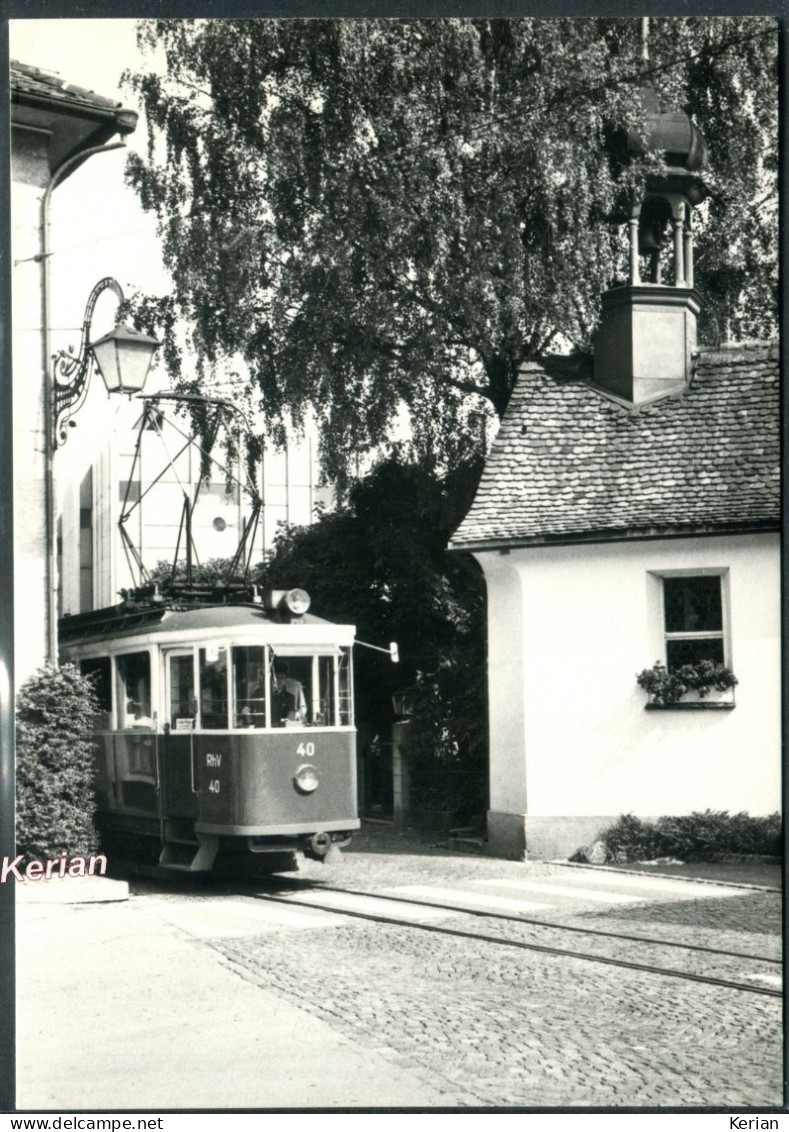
{"points": [[129, 491], [693, 620]]}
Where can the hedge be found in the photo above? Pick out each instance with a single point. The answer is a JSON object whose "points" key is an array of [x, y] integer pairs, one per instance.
{"points": [[55, 801], [700, 836]]}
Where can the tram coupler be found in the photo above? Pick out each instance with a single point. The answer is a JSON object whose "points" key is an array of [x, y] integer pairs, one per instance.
{"points": [[318, 846], [326, 846]]}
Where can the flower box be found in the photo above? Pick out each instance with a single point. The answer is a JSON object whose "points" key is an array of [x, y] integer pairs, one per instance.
{"points": [[701, 685]]}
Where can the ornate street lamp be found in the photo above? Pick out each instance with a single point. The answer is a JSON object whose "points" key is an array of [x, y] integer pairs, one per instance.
{"points": [[123, 358]]}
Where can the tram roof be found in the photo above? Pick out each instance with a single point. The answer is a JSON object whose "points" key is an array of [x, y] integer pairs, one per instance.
{"points": [[160, 619]]}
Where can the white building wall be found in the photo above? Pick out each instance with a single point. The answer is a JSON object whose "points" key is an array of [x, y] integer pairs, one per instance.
{"points": [[582, 621], [29, 177]]}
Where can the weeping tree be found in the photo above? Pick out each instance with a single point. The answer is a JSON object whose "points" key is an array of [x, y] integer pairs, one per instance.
{"points": [[377, 221], [372, 218]]}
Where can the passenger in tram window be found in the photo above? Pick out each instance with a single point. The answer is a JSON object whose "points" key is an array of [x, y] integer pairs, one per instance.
{"points": [[289, 705]]}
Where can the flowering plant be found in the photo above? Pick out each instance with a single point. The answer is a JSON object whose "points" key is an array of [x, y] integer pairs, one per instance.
{"points": [[666, 687]]}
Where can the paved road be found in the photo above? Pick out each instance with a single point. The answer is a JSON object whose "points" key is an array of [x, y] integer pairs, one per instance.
{"points": [[433, 1020]]}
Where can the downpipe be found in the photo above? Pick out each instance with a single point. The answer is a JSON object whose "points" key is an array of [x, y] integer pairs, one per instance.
{"points": [[49, 390]]}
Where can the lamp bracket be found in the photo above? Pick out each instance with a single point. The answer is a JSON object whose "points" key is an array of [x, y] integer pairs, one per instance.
{"points": [[72, 372]]}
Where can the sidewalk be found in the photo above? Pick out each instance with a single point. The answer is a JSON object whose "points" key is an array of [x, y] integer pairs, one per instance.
{"points": [[118, 1010]]}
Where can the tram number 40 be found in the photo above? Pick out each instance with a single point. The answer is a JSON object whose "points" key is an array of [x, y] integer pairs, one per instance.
{"points": [[214, 786], [306, 750]]}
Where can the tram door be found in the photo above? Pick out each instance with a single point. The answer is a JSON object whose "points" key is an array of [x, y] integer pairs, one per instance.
{"points": [[179, 718]]}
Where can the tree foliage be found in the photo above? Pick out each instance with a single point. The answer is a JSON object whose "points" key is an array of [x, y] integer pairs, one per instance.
{"points": [[363, 215], [210, 572], [380, 563], [54, 764]]}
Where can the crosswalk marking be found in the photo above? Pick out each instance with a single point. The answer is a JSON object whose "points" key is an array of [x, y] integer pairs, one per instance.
{"points": [[237, 918], [370, 905], [481, 900], [261, 915], [649, 883], [538, 887], [650, 888]]}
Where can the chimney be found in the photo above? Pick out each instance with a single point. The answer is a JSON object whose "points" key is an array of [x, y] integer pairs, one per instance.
{"points": [[647, 334]]}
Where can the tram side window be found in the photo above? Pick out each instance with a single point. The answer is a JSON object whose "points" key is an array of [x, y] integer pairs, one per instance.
{"points": [[134, 690], [249, 686], [213, 689], [324, 711], [99, 672], [345, 687]]}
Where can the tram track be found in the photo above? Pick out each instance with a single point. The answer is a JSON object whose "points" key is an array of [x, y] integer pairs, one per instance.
{"points": [[530, 945]]}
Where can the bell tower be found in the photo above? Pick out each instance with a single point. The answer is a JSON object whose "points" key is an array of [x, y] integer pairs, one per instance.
{"points": [[647, 334]]}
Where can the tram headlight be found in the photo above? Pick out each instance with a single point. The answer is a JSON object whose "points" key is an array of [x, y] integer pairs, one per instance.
{"points": [[306, 779], [297, 602], [287, 603]]}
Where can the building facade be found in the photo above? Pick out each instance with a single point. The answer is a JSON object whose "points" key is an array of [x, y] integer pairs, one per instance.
{"points": [[55, 128], [627, 523], [609, 541], [95, 562]]}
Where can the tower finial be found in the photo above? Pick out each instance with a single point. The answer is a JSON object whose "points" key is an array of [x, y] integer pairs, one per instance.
{"points": [[645, 38]]}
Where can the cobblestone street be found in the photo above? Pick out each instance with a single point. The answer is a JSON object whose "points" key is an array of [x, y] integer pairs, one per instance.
{"points": [[496, 1025]]}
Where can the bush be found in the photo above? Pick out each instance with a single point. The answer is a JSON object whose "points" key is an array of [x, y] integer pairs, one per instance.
{"points": [[632, 839], [55, 765], [693, 837]]}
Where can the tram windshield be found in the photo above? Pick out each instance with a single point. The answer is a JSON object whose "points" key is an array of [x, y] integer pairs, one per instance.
{"points": [[308, 689], [249, 686]]}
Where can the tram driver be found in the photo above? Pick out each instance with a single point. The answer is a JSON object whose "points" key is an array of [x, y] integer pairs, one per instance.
{"points": [[289, 703]]}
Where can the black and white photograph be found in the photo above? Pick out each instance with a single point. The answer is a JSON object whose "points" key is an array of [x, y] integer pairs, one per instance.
{"points": [[390, 687]]}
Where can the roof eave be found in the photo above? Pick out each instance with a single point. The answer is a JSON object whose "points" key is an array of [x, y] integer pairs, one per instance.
{"points": [[636, 534], [72, 126]]}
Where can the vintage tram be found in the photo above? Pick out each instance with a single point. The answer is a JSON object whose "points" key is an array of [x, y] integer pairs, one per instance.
{"points": [[225, 734]]}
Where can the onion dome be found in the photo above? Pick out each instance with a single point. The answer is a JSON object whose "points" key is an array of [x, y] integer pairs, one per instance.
{"points": [[673, 134]]}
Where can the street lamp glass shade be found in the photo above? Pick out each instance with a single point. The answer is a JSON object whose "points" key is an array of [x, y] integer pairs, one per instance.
{"points": [[123, 358]]}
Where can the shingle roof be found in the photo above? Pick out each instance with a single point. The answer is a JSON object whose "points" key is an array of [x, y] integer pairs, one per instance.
{"points": [[32, 81], [570, 463]]}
